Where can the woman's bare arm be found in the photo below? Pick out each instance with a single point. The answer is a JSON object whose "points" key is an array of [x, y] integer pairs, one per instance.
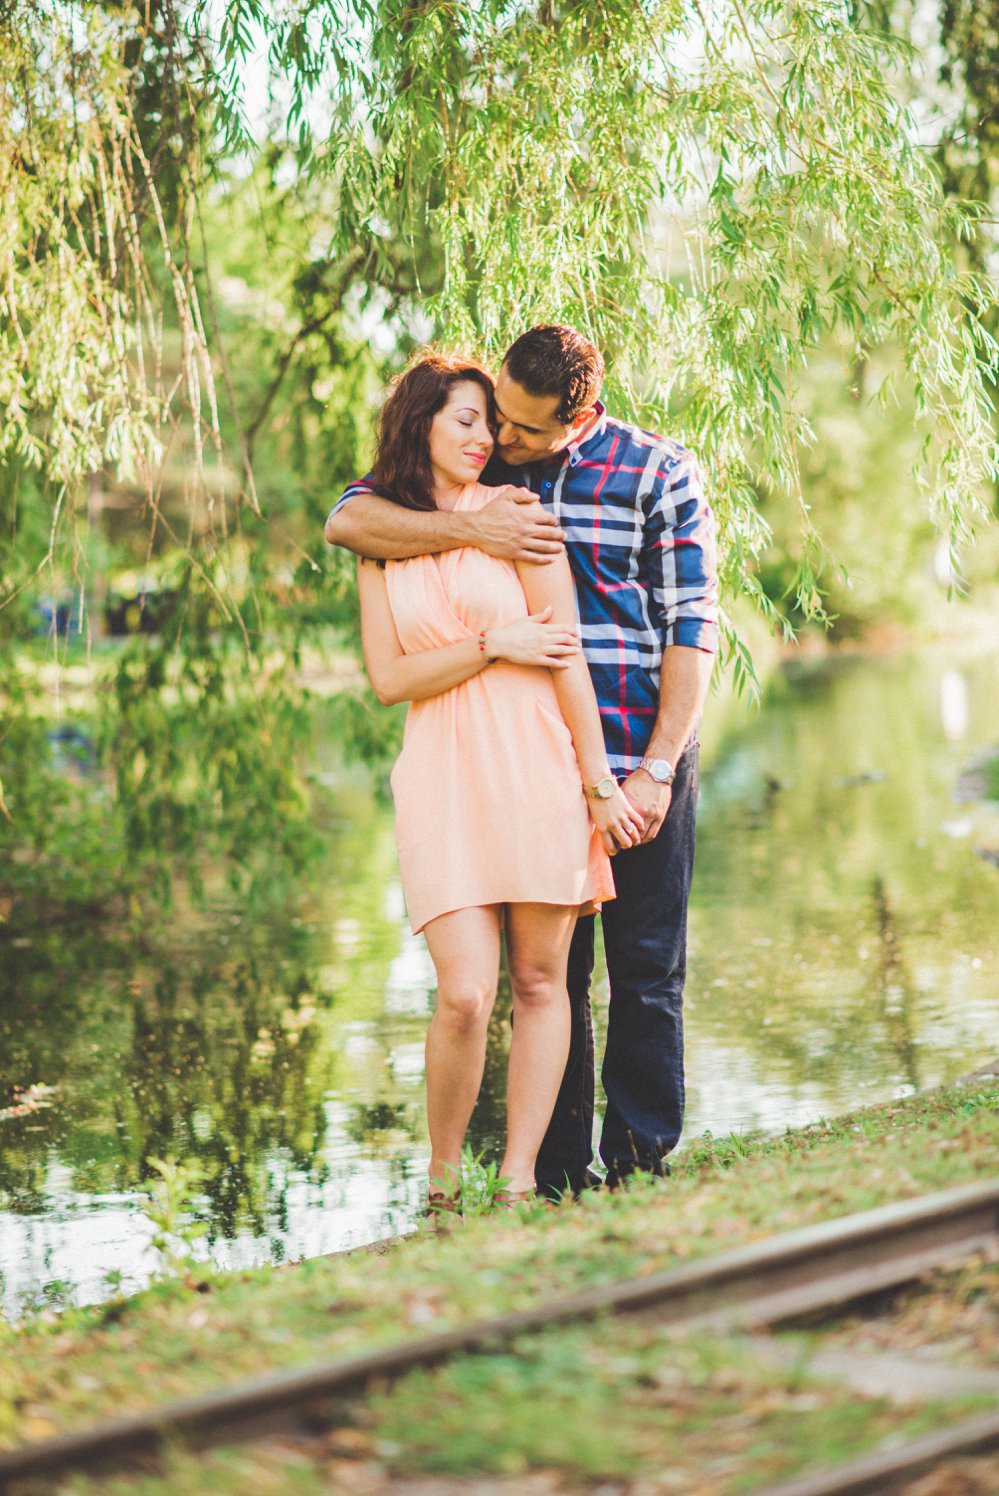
{"points": [[396, 676], [552, 586]]}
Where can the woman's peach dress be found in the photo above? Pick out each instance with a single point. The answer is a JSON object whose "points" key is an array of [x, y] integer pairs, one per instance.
{"points": [[490, 807]]}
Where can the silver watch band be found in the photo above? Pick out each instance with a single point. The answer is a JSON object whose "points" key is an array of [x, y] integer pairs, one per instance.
{"points": [[661, 770]]}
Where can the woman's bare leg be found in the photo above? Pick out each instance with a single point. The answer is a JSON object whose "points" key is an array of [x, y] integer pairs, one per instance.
{"points": [[465, 949], [538, 937]]}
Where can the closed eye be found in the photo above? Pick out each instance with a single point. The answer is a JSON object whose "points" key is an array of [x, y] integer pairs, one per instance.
{"points": [[528, 430]]}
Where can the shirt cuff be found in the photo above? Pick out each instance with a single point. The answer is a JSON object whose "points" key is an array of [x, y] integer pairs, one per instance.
{"points": [[693, 633]]}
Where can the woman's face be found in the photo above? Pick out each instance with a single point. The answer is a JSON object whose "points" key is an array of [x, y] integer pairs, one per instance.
{"points": [[460, 438]]}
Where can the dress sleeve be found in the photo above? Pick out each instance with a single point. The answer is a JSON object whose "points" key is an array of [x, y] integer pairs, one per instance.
{"points": [[476, 496]]}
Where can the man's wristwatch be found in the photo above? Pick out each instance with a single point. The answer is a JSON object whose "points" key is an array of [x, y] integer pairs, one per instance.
{"points": [[661, 769], [603, 789]]}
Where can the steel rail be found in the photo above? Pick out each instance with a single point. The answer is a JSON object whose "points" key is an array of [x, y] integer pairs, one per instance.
{"points": [[884, 1472], [816, 1268]]}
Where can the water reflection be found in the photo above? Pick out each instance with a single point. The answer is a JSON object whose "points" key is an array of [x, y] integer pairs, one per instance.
{"points": [[840, 936], [893, 988], [842, 950]]}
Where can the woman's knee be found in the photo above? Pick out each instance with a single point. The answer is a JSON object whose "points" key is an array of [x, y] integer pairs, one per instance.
{"points": [[465, 1005], [536, 984]]}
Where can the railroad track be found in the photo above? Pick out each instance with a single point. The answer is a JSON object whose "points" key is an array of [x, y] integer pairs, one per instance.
{"points": [[882, 1474], [814, 1270]]}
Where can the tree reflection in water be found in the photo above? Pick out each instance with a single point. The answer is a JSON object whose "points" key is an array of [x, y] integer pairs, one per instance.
{"points": [[201, 1055]]}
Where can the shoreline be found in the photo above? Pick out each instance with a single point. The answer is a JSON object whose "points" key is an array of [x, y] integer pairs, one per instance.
{"points": [[202, 1329]]}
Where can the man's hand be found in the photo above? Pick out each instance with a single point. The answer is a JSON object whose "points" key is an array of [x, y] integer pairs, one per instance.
{"points": [[515, 527], [650, 799]]}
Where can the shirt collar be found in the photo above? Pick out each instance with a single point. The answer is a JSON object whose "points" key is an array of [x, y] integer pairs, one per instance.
{"points": [[592, 434]]}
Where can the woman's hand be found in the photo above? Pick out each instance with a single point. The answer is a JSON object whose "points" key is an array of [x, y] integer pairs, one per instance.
{"points": [[619, 824], [533, 641]]}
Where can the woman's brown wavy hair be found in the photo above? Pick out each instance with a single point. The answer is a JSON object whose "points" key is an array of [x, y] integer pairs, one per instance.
{"points": [[401, 470]]}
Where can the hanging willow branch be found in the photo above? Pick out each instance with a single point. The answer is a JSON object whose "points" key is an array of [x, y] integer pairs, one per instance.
{"points": [[710, 192], [95, 265]]}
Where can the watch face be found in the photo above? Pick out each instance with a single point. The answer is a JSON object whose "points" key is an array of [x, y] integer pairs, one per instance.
{"points": [[660, 769]]}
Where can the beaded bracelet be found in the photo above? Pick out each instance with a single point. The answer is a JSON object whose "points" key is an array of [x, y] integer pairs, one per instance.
{"points": [[490, 659]]}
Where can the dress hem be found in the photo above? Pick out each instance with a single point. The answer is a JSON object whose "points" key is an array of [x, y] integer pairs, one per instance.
{"points": [[585, 907]]}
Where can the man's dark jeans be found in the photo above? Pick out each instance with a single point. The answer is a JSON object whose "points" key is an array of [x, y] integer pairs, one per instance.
{"points": [[645, 940]]}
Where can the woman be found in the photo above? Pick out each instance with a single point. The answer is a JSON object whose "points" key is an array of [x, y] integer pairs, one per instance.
{"points": [[493, 827]]}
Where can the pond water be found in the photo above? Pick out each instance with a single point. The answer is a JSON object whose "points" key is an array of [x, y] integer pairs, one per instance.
{"points": [[843, 950]]}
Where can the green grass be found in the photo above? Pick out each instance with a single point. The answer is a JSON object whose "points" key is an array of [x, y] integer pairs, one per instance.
{"points": [[614, 1401], [175, 1340]]}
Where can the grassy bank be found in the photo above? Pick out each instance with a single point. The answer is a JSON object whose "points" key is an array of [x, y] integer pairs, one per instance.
{"points": [[179, 1338], [611, 1409]]}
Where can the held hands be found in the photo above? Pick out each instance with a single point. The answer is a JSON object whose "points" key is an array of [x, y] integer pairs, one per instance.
{"points": [[515, 527], [651, 801], [619, 824], [534, 641]]}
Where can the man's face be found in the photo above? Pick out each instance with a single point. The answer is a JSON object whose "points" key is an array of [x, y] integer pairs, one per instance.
{"points": [[529, 430]]}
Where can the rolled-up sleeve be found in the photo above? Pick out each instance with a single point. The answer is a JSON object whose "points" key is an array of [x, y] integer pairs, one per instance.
{"points": [[359, 485], [680, 556]]}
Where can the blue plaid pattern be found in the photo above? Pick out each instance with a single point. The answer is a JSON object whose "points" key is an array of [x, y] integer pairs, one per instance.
{"points": [[640, 541]]}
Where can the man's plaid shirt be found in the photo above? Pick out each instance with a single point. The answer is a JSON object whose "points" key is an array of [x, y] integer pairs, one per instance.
{"points": [[640, 540]]}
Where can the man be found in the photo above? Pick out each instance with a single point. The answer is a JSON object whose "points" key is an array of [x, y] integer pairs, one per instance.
{"points": [[631, 511]]}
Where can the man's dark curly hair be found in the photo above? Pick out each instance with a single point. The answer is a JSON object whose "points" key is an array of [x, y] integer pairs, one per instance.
{"points": [[554, 360]]}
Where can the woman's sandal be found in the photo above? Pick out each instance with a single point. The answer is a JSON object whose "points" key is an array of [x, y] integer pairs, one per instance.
{"points": [[510, 1199], [441, 1207]]}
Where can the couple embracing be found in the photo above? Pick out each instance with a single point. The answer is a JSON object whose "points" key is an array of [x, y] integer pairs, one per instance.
{"points": [[537, 579]]}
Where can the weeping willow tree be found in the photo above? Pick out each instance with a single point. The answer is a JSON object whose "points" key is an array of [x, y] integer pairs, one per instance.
{"points": [[711, 192], [108, 364]]}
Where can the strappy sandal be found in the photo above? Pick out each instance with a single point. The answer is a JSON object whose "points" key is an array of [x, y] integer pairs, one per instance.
{"points": [[441, 1208], [510, 1199]]}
